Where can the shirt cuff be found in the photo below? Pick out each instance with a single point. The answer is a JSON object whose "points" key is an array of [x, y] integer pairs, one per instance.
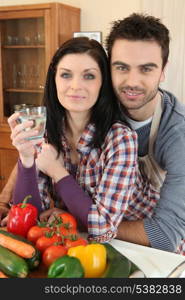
{"points": [[26, 171], [156, 236]]}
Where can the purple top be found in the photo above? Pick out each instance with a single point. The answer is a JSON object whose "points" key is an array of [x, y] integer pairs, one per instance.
{"points": [[71, 193]]}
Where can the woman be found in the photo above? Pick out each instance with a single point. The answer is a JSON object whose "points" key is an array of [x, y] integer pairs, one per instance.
{"points": [[90, 159]]}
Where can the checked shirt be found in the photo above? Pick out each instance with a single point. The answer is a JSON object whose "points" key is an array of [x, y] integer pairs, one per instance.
{"points": [[110, 176]]}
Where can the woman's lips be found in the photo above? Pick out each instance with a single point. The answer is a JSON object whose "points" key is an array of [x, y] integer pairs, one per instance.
{"points": [[76, 97]]}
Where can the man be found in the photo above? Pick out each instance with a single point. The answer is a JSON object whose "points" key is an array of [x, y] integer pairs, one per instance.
{"points": [[138, 49]]}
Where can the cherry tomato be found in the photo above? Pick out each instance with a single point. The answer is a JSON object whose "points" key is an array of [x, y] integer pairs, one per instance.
{"points": [[79, 241], [66, 232], [35, 232], [68, 219], [44, 241], [51, 253]]}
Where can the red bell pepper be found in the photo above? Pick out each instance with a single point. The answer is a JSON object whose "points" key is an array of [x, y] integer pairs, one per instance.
{"points": [[21, 217]]}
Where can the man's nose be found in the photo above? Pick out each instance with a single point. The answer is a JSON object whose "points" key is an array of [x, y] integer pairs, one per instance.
{"points": [[133, 78]]}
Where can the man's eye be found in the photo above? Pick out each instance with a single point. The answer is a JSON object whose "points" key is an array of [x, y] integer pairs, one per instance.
{"points": [[65, 75], [89, 76], [121, 68], [146, 69]]}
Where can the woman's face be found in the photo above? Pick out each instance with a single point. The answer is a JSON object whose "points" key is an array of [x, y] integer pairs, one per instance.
{"points": [[78, 81]]}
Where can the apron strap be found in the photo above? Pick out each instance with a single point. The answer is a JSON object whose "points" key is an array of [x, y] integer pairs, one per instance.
{"points": [[153, 134], [155, 125]]}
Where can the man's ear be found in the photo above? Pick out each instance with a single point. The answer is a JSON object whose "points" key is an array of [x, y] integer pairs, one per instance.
{"points": [[162, 78]]}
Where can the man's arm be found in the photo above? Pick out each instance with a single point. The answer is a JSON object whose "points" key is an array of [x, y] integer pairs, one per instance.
{"points": [[133, 232], [6, 194]]}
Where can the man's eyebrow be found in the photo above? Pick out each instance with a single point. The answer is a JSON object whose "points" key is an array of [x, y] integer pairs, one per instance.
{"points": [[120, 63], [150, 64]]}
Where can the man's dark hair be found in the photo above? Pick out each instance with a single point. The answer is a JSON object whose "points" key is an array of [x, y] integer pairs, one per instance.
{"points": [[140, 27]]}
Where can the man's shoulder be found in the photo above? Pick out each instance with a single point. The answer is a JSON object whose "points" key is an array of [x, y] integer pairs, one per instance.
{"points": [[170, 140], [173, 117], [172, 106]]}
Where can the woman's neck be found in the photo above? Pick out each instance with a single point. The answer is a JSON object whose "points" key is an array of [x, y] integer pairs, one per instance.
{"points": [[75, 126]]}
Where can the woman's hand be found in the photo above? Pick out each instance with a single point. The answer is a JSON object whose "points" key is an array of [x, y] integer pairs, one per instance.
{"points": [[3, 215], [20, 140], [50, 214], [49, 163]]}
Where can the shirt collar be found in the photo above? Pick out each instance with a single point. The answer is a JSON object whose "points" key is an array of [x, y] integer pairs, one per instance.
{"points": [[84, 141]]}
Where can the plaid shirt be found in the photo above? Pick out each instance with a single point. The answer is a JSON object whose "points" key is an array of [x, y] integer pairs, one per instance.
{"points": [[110, 176]]}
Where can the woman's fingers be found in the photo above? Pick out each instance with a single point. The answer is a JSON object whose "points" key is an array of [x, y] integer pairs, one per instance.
{"points": [[12, 120], [4, 221], [50, 215], [45, 215], [23, 128]]}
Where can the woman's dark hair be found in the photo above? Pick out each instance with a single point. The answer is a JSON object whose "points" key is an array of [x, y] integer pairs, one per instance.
{"points": [[104, 112], [140, 27]]}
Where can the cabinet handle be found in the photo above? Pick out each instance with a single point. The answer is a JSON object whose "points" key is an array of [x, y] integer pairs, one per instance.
{"points": [[2, 177]]}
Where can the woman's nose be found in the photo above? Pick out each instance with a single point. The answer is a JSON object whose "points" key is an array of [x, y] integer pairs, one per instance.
{"points": [[76, 84]]}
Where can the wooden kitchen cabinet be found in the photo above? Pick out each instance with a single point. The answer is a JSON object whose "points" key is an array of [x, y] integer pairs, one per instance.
{"points": [[8, 160], [29, 36]]}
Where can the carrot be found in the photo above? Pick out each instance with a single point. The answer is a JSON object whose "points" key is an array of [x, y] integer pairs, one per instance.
{"points": [[2, 275], [20, 248]]}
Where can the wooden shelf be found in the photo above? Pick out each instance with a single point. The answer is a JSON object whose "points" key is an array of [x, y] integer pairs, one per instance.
{"points": [[24, 90], [23, 46], [30, 35]]}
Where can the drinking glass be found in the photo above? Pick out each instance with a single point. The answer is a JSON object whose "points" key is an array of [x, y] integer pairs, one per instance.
{"points": [[37, 114]]}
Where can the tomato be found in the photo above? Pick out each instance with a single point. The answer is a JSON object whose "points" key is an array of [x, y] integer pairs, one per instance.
{"points": [[66, 232], [44, 241], [73, 243], [68, 219], [52, 253], [35, 232]]}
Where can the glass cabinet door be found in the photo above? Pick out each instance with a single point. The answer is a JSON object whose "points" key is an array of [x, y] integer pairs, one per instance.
{"points": [[23, 62]]}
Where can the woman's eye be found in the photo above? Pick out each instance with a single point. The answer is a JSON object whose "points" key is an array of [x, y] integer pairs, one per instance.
{"points": [[89, 76], [65, 75]]}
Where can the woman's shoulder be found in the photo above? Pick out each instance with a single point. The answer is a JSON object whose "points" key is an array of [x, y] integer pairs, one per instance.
{"points": [[120, 131], [120, 127]]}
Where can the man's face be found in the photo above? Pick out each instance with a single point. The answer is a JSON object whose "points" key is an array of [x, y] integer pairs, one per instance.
{"points": [[136, 68]]}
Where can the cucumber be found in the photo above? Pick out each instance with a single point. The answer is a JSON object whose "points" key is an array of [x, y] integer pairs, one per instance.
{"points": [[118, 266], [32, 262], [12, 264], [134, 268]]}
